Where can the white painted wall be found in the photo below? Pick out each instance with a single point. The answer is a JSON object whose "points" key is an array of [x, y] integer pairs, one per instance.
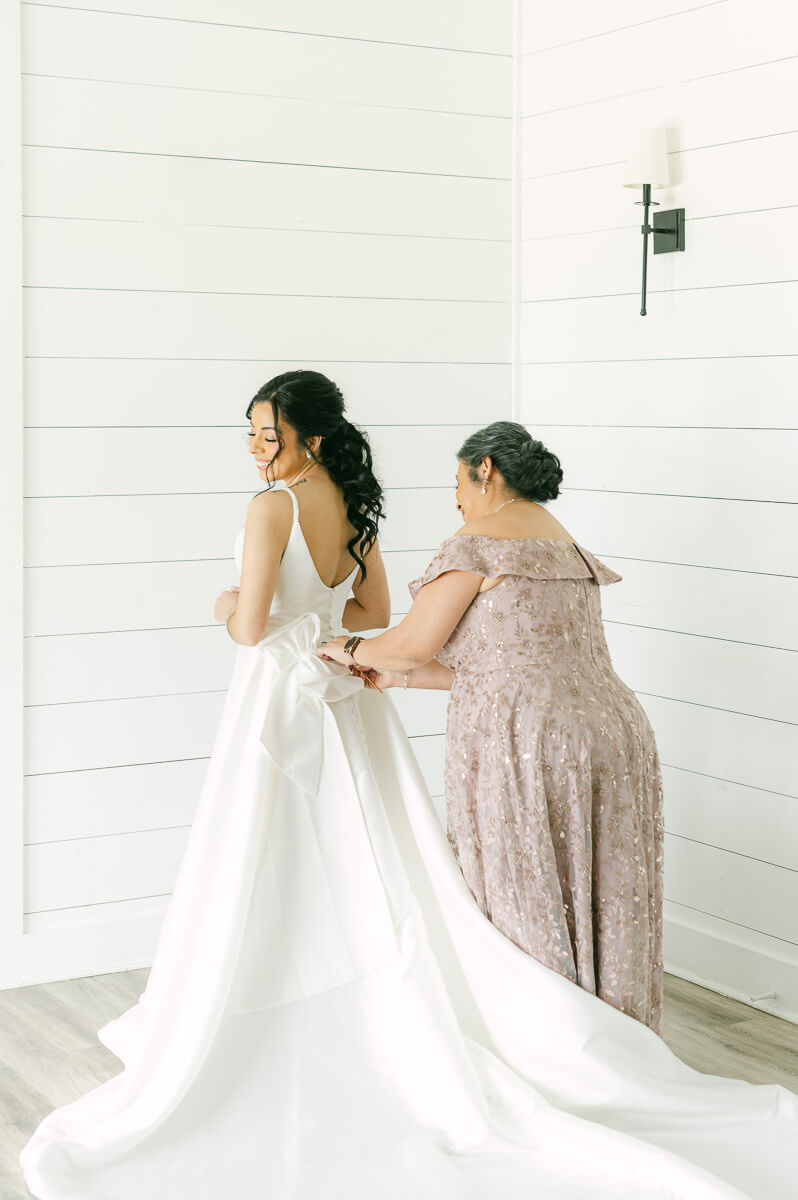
{"points": [[206, 204], [678, 431], [213, 194]]}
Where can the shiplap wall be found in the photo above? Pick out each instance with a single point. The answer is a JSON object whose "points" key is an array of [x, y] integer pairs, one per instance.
{"points": [[678, 431], [213, 194]]}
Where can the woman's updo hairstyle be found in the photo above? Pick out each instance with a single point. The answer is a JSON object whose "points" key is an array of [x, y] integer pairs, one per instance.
{"points": [[314, 407], [527, 466]]}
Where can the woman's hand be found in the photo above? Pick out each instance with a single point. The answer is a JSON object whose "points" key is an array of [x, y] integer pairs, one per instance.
{"points": [[333, 651], [383, 679], [225, 605]]}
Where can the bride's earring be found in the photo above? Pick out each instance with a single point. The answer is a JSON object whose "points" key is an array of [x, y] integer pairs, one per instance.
{"points": [[307, 454], [483, 485]]}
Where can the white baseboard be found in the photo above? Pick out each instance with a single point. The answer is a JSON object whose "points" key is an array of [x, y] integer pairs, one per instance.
{"points": [[733, 961], [73, 945]]}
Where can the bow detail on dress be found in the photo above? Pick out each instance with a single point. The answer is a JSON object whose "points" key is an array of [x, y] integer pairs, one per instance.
{"points": [[298, 710]]}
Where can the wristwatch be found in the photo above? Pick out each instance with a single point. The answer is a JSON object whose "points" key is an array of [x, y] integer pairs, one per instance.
{"points": [[351, 645]]}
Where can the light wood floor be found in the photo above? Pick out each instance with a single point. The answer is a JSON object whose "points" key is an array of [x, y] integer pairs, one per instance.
{"points": [[49, 1053]]}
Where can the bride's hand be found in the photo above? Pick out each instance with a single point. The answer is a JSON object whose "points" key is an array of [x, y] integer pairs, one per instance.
{"points": [[225, 605]]}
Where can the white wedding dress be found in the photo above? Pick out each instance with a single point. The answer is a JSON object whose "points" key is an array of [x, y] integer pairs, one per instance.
{"points": [[329, 1015]]}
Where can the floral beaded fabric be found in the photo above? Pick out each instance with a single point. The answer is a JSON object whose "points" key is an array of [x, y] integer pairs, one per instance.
{"points": [[553, 785]]}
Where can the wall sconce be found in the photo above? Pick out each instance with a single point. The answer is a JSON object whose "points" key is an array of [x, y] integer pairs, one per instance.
{"points": [[647, 167]]}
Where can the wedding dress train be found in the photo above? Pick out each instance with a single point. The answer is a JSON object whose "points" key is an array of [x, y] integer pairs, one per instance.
{"points": [[329, 1014]]}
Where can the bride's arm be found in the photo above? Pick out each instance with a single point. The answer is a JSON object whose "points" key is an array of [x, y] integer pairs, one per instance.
{"points": [[268, 527], [370, 606]]}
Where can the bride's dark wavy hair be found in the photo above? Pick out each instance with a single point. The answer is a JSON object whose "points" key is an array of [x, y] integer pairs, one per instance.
{"points": [[313, 406]]}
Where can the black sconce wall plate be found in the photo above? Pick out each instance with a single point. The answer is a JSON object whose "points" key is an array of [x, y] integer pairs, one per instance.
{"points": [[668, 229]]}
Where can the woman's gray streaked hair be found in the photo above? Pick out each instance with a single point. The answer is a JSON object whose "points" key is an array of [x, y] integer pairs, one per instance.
{"points": [[527, 466]]}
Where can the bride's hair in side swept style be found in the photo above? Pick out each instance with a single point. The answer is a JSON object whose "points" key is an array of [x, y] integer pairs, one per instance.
{"points": [[314, 407]]}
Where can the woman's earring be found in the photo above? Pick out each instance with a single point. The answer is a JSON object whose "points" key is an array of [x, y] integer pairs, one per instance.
{"points": [[483, 485], [307, 454]]}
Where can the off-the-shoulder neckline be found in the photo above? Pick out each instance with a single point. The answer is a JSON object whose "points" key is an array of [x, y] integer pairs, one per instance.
{"points": [[490, 538]]}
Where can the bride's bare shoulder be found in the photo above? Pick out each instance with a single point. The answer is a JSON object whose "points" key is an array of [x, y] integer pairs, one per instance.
{"points": [[272, 510]]}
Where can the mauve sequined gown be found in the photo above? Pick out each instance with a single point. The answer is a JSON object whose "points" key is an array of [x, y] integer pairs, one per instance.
{"points": [[553, 785]]}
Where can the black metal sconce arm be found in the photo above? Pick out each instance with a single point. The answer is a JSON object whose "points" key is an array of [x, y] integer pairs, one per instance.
{"points": [[668, 230]]}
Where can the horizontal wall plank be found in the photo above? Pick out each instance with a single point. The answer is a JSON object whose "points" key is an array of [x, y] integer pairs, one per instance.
{"points": [[153, 662], [698, 41], [161, 662], [69, 462], [422, 712], [608, 262], [158, 595], [726, 745], [729, 675], [456, 24], [430, 752], [74, 462], [734, 392], [105, 254], [758, 174], [400, 569], [94, 530], [79, 737], [79, 392], [101, 870], [102, 45], [726, 108], [120, 935], [166, 325], [95, 599], [118, 800], [690, 462], [550, 25], [76, 531], [143, 187], [92, 804], [750, 893], [426, 515], [117, 529], [745, 320], [706, 602], [131, 117], [745, 820], [725, 534], [728, 940], [130, 799]]}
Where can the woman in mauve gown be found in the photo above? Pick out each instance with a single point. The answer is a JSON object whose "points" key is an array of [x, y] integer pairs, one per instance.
{"points": [[553, 786]]}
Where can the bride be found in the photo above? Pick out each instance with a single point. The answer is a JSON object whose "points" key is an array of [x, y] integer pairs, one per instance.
{"points": [[329, 1014]]}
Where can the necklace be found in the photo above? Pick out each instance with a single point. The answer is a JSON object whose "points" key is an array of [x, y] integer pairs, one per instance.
{"points": [[501, 506]]}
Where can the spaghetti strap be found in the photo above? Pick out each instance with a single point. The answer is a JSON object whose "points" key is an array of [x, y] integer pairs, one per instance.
{"points": [[294, 501]]}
